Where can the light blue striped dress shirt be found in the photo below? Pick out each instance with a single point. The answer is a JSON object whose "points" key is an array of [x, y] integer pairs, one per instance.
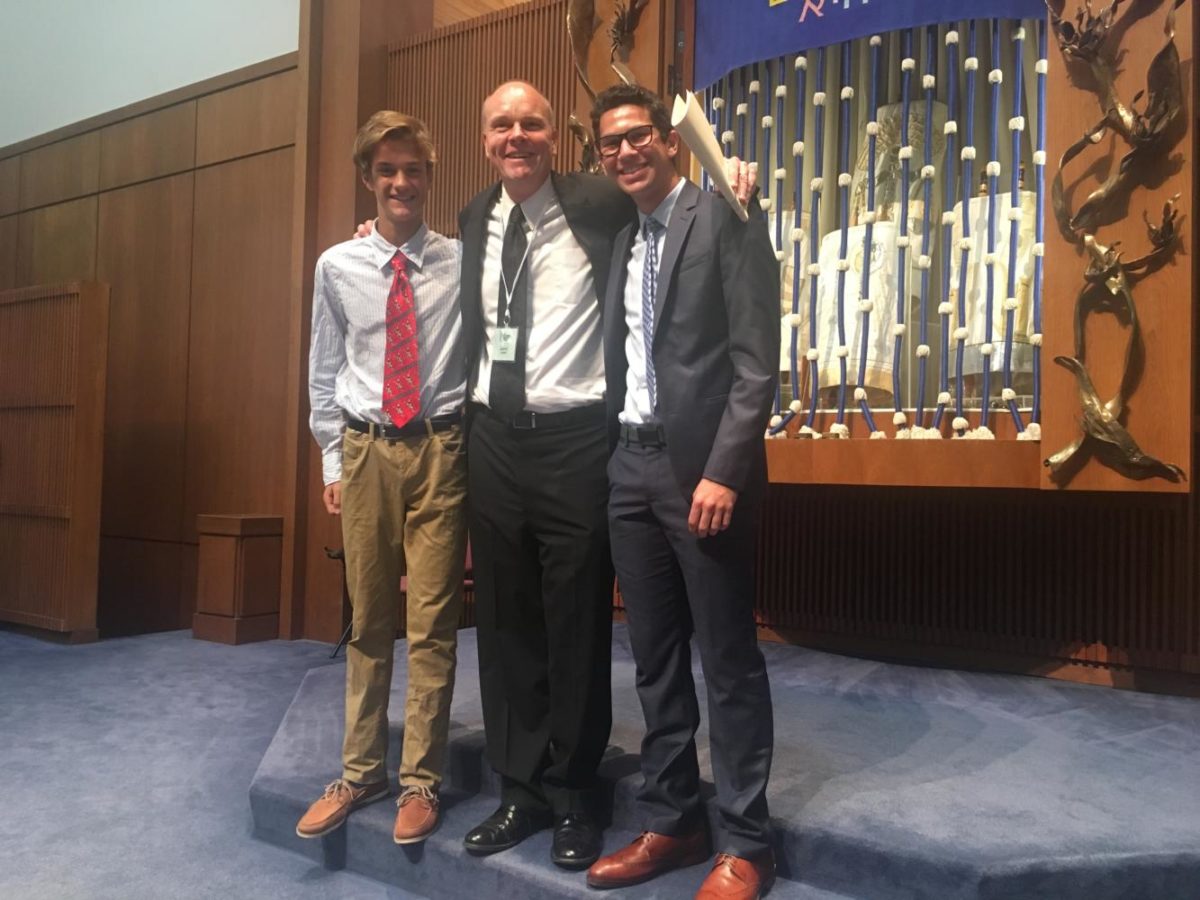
{"points": [[349, 335]]}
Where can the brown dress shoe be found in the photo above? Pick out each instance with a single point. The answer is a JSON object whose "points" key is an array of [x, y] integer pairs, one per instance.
{"points": [[339, 799], [650, 855], [734, 878], [417, 816]]}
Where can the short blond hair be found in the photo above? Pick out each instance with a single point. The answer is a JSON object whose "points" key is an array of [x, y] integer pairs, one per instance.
{"points": [[388, 124]]}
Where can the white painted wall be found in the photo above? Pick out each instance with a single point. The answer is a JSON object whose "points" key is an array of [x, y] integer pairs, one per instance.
{"points": [[66, 60]]}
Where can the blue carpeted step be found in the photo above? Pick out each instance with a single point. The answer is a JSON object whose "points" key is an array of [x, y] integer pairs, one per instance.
{"points": [[888, 781], [441, 868]]}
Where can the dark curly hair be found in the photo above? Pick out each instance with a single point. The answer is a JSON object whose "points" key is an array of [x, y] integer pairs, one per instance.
{"points": [[631, 95]]}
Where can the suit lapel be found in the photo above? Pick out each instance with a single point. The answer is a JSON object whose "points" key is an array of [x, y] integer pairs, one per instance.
{"points": [[614, 306], [576, 208], [677, 232], [474, 239]]}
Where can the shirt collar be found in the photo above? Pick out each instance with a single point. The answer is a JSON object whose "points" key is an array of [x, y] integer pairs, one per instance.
{"points": [[413, 248], [534, 206], [662, 212]]}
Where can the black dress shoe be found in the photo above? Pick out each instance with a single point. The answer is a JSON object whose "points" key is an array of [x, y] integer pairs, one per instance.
{"points": [[506, 827], [577, 842]]}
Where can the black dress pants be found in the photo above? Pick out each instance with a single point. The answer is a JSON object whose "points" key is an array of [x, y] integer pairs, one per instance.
{"points": [[543, 591], [677, 586]]}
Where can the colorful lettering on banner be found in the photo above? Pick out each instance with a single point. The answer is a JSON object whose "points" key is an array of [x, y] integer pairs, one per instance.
{"points": [[730, 35]]}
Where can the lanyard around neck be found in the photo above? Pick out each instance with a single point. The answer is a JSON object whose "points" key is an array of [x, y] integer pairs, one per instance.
{"points": [[507, 290]]}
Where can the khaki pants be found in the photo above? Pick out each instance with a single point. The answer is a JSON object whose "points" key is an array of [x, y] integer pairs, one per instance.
{"points": [[402, 502]]}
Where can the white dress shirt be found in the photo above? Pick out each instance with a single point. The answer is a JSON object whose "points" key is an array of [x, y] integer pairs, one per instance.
{"points": [[564, 361], [637, 395], [349, 334]]}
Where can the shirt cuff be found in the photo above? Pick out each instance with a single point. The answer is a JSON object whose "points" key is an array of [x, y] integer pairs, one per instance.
{"points": [[331, 466]]}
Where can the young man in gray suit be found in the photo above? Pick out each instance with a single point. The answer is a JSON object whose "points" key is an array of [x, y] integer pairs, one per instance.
{"points": [[691, 340]]}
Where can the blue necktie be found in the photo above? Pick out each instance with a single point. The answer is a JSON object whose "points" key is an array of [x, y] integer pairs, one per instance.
{"points": [[651, 228]]}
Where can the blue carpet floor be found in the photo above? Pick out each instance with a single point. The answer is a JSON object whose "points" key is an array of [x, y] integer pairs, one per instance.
{"points": [[126, 765]]}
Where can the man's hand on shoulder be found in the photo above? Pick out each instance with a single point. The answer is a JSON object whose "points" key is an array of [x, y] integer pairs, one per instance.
{"points": [[712, 508], [333, 498], [364, 229]]}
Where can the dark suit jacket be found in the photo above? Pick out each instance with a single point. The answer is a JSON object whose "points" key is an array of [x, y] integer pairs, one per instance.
{"points": [[716, 340], [595, 209]]}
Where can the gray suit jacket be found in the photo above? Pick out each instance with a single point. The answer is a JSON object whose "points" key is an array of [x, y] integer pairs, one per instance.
{"points": [[716, 340]]}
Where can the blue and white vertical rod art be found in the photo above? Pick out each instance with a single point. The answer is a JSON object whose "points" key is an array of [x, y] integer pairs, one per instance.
{"points": [[816, 186], [768, 126], [1016, 126], [925, 258], [781, 92], [949, 200], [907, 66], [865, 304], [1039, 235], [995, 79], [963, 307], [967, 242], [845, 95]]}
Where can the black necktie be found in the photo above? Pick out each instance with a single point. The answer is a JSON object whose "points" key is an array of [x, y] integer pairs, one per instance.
{"points": [[506, 394]]}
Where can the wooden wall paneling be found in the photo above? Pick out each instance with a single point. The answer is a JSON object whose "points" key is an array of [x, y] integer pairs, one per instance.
{"points": [[60, 171], [148, 146], [1086, 579], [140, 586], [298, 447], [145, 253], [57, 243], [249, 118], [53, 346], [87, 458], [238, 352], [1159, 410], [188, 576], [33, 550], [451, 12], [444, 76], [10, 185], [8, 252]]}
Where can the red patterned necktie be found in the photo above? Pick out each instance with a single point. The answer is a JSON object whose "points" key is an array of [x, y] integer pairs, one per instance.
{"points": [[401, 372]]}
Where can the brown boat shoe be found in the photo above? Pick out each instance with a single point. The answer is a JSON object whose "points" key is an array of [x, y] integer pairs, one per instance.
{"points": [[339, 800], [417, 816]]}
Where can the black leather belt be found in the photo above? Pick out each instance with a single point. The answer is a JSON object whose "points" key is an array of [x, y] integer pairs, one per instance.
{"points": [[527, 420], [644, 435], [415, 428]]}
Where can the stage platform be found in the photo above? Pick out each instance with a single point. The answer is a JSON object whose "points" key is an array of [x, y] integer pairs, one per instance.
{"points": [[889, 781]]}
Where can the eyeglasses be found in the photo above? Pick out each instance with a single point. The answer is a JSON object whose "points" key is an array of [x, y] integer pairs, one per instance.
{"points": [[637, 138]]}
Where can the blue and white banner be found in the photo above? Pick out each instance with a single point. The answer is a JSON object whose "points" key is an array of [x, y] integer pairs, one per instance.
{"points": [[732, 33]]}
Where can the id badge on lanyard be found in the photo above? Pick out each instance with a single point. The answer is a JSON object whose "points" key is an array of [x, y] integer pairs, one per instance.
{"points": [[504, 340], [504, 344]]}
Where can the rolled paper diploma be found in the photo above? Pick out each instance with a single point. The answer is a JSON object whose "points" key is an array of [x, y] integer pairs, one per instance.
{"points": [[693, 126]]}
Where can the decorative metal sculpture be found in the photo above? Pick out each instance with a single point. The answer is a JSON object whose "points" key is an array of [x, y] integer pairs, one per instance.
{"points": [[581, 26], [620, 36], [589, 159], [1108, 279]]}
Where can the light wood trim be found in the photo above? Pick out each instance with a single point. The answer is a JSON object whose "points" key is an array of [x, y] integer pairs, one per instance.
{"points": [[976, 464]]}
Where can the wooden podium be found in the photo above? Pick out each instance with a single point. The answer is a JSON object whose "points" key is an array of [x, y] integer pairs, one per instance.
{"points": [[237, 583]]}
